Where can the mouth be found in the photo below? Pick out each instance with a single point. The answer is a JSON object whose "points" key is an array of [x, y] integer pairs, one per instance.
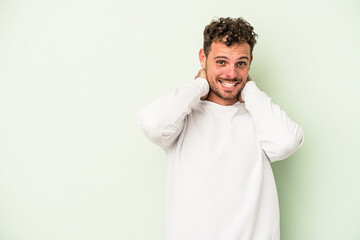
{"points": [[228, 85]]}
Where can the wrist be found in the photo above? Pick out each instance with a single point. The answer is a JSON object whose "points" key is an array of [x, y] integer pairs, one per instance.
{"points": [[204, 87]]}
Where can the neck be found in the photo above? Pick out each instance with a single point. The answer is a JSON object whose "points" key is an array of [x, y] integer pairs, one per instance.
{"points": [[216, 99]]}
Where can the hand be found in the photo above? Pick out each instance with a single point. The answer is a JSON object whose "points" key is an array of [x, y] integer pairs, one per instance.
{"points": [[247, 80], [202, 74]]}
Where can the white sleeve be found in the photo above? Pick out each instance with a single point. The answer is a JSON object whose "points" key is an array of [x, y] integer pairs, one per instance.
{"points": [[279, 136], [163, 119]]}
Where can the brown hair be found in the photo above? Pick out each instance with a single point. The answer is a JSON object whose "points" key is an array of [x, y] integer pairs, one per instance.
{"points": [[229, 31]]}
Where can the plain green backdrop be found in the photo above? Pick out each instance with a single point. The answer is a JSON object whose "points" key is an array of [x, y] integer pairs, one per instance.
{"points": [[73, 75]]}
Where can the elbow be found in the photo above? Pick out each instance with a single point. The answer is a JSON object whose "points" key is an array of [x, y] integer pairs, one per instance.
{"points": [[149, 127], [157, 130], [285, 147]]}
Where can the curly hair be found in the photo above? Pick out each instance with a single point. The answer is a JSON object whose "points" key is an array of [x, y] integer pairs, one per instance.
{"points": [[229, 31]]}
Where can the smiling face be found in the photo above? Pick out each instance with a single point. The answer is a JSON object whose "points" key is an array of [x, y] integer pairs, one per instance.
{"points": [[227, 70]]}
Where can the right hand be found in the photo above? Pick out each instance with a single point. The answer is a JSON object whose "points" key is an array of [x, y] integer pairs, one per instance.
{"points": [[202, 74]]}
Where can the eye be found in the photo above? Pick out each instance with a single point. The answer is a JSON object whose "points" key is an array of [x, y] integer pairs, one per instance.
{"points": [[241, 63], [220, 62]]}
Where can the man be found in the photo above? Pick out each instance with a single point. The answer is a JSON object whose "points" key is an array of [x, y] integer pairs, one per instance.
{"points": [[220, 134]]}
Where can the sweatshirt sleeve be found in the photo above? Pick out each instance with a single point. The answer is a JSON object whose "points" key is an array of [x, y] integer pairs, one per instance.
{"points": [[163, 119], [279, 136]]}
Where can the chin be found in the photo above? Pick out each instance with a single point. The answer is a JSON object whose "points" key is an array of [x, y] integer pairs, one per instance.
{"points": [[227, 96]]}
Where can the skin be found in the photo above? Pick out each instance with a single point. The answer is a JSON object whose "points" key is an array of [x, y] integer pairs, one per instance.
{"points": [[225, 65]]}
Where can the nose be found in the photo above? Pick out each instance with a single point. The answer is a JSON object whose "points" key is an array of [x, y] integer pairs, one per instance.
{"points": [[230, 72]]}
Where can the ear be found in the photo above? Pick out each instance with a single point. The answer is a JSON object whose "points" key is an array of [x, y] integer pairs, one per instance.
{"points": [[202, 58], [251, 58]]}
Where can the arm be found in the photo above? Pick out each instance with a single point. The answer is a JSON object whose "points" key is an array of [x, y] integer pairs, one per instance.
{"points": [[279, 136], [163, 120]]}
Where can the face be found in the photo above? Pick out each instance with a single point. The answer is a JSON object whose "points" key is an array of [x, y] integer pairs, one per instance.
{"points": [[227, 69]]}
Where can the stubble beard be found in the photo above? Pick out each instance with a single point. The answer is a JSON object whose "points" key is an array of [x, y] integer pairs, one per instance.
{"points": [[218, 92], [226, 95]]}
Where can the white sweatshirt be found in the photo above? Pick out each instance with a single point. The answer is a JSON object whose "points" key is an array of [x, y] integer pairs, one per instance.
{"points": [[220, 185]]}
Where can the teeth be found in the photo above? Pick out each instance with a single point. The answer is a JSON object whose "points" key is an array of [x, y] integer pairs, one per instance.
{"points": [[228, 84]]}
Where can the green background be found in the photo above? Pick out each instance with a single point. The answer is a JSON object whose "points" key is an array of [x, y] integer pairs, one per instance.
{"points": [[73, 75]]}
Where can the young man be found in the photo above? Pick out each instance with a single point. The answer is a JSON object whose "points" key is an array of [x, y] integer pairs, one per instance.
{"points": [[220, 134]]}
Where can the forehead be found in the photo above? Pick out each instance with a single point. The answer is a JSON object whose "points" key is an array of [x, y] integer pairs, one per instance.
{"points": [[234, 51]]}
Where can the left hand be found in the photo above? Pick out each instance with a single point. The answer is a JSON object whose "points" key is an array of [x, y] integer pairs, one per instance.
{"points": [[247, 80]]}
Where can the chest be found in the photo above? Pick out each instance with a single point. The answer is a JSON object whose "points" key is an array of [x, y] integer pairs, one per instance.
{"points": [[218, 139]]}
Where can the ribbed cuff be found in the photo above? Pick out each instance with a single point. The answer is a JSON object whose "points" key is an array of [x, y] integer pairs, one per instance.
{"points": [[203, 85], [250, 87]]}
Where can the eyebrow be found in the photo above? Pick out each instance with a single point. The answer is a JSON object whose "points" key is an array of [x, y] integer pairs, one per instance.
{"points": [[240, 58]]}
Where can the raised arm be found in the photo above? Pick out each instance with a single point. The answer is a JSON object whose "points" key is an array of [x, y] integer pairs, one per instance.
{"points": [[163, 120], [279, 136]]}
